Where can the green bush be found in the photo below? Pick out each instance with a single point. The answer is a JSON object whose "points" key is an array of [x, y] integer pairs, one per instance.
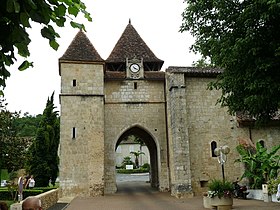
{"points": [[146, 166], [127, 161], [273, 185], [6, 194], [220, 188], [132, 171], [261, 164], [4, 174]]}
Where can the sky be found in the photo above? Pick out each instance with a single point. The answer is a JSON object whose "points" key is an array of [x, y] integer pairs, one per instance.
{"points": [[156, 21]]}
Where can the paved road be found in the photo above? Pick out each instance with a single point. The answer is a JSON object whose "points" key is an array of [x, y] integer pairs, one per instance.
{"points": [[143, 177], [134, 193]]}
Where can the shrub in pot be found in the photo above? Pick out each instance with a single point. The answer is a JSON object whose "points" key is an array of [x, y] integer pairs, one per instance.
{"points": [[220, 194]]}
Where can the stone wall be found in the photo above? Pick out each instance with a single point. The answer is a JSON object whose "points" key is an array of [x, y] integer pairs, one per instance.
{"points": [[195, 120], [178, 118], [82, 130], [127, 107], [48, 199], [208, 122]]}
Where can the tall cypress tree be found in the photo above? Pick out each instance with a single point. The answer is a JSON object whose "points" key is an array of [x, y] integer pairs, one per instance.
{"points": [[43, 158]]}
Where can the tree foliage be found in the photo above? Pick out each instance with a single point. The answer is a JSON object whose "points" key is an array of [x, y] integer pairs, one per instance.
{"points": [[27, 125], [16, 17], [42, 155], [202, 63], [243, 38], [12, 147], [136, 155]]}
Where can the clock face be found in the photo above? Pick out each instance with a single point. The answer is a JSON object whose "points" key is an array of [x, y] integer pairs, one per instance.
{"points": [[134, 67]]}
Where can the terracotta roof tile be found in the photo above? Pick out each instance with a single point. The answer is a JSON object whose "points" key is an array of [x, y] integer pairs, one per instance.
{"points": [[131, 45], [81, 49]]}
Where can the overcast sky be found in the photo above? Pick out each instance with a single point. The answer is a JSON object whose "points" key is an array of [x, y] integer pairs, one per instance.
{"points": [[156, 21]]}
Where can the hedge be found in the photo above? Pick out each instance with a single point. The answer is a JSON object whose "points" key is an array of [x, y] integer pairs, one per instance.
{"points": [[5, 194], [132, 171]]}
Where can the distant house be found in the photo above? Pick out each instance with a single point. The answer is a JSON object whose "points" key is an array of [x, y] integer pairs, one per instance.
{"points": [[124, 149]]}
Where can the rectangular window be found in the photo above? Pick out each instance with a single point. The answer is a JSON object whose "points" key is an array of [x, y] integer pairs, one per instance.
{"points": [[73, 133], [135, 85], [74, 83]]}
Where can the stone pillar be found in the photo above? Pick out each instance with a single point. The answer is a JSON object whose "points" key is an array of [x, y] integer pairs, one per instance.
{"points": [[178, 136]]}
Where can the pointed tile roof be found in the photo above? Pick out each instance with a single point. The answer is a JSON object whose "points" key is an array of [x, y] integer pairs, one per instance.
{"points": [[81, 49], [131, 45]]}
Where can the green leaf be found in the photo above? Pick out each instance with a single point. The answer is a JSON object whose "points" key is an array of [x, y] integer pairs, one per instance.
{"points": [[54, 44], [24, 19], [60, 10], [2, 82], [87, 16], [25, 65], [10, 6], [16, 6], [77, 25], [32, 4], [13, 6], [8, 60], [60, 21], [73, 10], [5, 73], [47, 33], [22, 49]]}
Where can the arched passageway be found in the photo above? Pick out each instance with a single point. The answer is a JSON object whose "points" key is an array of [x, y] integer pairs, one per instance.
{"points": [[151, 145]]}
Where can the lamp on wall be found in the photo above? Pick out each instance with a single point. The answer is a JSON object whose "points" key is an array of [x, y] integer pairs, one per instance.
{"points": [[221, 152]]}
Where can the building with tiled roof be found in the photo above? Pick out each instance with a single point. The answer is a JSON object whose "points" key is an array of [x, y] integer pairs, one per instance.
{"points": [[171, 110]]}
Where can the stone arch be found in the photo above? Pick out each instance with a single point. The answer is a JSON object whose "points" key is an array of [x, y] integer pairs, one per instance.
{"points": [[150, 142]]}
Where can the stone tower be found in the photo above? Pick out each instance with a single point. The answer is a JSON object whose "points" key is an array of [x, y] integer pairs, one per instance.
{"points": [[82, 119]]}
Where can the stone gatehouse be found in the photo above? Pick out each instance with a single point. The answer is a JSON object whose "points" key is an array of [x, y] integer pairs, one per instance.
{"points": [[172, 111]]}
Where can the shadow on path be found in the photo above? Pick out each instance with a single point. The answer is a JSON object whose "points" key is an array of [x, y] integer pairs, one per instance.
{"points": [[135, 187]]}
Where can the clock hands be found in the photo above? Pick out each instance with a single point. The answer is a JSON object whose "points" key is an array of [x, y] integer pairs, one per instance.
{"points": [[134, 67]]}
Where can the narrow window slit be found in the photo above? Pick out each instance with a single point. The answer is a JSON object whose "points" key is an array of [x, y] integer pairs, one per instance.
{"points": [[73, 133]]}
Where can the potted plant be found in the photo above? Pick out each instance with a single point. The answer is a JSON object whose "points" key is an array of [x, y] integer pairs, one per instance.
{"points": [[274, 188], [220, 194], [261, 166]]}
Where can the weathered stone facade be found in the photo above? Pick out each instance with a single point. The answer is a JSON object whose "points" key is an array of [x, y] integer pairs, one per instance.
{"points": [[82, 133], [204, 122], [173, 112]]}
